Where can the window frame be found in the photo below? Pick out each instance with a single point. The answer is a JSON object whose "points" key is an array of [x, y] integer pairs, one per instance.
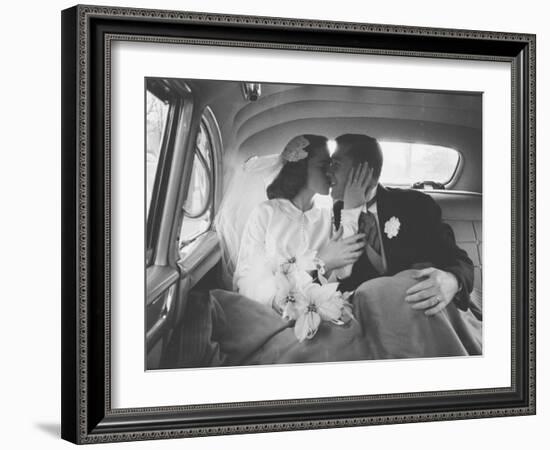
{"points": [[209, 122], [211, 181], [153, 213], [170, 102], [180, 104]]}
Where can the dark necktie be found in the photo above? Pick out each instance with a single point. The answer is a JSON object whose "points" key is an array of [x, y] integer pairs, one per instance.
{"points": [[367, 225], [337, 213]]}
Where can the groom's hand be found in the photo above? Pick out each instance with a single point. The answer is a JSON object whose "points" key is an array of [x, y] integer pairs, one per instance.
{"points": [[357, 186], [435, 290]]}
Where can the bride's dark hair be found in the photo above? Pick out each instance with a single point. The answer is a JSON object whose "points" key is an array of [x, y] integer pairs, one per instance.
{"points": [[293, 176]]}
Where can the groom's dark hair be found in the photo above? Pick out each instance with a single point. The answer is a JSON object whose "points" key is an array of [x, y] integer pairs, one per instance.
{"points": [[361, 148]]}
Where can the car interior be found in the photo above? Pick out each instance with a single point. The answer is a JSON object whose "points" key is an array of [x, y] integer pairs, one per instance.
{"points": [[199, 131]]}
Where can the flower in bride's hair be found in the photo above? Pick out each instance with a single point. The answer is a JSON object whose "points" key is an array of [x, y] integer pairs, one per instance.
{"points": [[294, 150], [320, 303]]}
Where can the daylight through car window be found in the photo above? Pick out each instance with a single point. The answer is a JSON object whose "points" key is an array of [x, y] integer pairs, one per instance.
{"points": [[407, 163], [157, 111], [197, 208]]}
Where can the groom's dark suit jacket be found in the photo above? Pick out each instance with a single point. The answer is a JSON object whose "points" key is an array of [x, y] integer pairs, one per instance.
{"points": [[422, 238]]}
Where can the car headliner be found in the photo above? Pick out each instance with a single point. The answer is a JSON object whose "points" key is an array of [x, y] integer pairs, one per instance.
{"points": [[451, 119]]}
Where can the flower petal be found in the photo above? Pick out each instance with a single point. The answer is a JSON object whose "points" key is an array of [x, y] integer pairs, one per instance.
{"points": [[300, 278], [347, 295], [290, 312], [320, 293], [314, 320], [322, 279], [282, 288], [331, 310], [300, 328], [306, 325], [347, 313]]}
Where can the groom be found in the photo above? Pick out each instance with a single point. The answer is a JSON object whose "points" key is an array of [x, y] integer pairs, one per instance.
{"points": [[403, 227]]}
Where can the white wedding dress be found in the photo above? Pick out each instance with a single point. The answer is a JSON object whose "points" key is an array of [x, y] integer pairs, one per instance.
{"points": [[277, 231]]}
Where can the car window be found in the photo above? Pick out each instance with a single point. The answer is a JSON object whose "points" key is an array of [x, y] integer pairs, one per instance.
{"points": [[157, 111], [407, 163], [198, 206]]}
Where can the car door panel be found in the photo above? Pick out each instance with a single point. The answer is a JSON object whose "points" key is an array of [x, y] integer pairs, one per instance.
{"points": [[197, 264], [160, 310]]}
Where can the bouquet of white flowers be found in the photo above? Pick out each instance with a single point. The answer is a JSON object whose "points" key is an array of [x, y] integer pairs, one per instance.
{"points": [[305, 301]]}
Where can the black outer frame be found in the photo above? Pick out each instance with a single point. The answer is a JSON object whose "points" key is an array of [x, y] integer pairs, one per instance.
{"points": [[87, 416]]}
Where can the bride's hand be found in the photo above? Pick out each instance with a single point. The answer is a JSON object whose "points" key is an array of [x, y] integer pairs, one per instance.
{"points": [[338, 252], [357, 186]]}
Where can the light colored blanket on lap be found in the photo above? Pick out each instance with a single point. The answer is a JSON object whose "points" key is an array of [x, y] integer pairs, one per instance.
{"points": [[394, 330], [385, 327]]}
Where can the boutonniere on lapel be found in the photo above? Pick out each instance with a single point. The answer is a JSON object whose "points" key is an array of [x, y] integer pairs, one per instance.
{"points": [[391, 227]]}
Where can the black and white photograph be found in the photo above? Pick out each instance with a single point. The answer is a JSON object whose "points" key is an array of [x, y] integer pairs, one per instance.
{"points": [[275, 222], [302, 223]]}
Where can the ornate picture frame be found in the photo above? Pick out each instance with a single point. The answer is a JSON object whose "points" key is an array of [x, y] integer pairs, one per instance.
{"points": [[88, 33]]}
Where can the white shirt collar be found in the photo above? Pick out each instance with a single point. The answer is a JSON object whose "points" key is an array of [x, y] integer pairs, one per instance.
{"points": [[289, 208], [372, 208]]}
